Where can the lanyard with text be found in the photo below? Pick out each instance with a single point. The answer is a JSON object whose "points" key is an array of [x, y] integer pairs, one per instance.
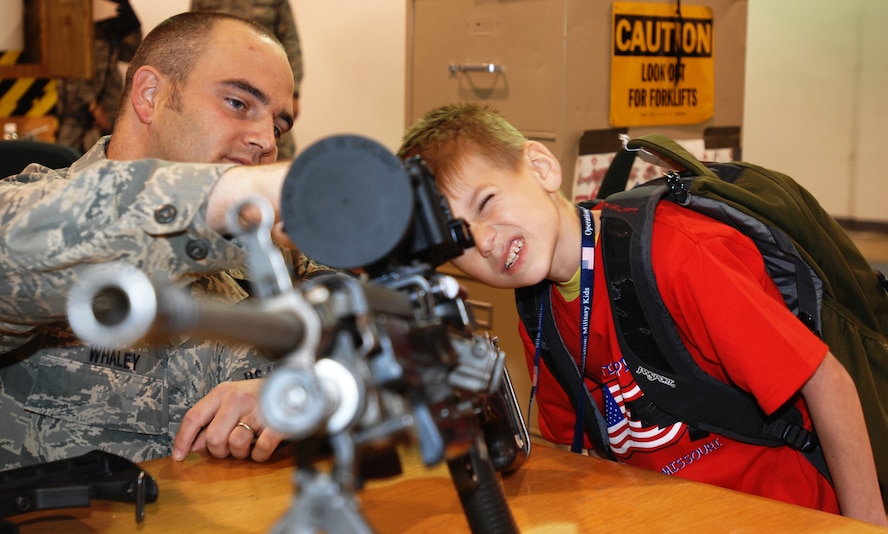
{"points": [[587, 270], [587, 266]]}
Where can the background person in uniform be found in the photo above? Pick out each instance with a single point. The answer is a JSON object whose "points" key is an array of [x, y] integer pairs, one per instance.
{"points": [[87, 109], [277, 16], [204, 87]]}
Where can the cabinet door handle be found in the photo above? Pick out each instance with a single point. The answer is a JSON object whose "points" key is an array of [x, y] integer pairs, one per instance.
{"points": [[491, 68]]}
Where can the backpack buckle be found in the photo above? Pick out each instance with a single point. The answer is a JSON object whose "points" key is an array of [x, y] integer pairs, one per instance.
{"points": [[676, 187], [799, 438], [809, 322]]}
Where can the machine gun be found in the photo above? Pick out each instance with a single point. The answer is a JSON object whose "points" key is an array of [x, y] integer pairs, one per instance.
{"points": [[380, 353]]}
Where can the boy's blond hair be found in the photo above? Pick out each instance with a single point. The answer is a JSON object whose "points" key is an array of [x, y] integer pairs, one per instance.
{"points": [[447, 136]]}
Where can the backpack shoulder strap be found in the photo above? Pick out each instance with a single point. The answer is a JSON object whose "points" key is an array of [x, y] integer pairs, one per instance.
{"points": [[654, 148], [531, 302]]}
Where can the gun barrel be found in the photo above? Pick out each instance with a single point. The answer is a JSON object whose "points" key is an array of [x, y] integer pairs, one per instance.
{"points": [[116, 305]]}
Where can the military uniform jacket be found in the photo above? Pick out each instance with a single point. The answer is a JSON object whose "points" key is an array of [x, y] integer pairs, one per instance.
{"points": [[60, 398]]}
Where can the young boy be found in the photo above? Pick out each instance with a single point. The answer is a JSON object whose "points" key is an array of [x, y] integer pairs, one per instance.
{"points": [[731, 317]]}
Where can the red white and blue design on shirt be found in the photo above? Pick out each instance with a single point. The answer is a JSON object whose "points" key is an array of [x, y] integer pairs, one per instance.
{"points": [[625, 434]]}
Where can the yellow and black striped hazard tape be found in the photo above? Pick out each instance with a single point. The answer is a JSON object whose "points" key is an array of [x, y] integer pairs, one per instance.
{"points": [[25, 97]]}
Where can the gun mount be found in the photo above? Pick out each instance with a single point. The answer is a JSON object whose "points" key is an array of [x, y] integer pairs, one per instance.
{"points": [[366, 362]]}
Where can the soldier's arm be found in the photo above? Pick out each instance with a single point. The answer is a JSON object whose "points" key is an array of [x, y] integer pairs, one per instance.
{"points": [[165, 219]]}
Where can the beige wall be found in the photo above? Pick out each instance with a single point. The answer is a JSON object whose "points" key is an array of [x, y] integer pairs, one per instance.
{"points": [[354, 69], [815, 79]]}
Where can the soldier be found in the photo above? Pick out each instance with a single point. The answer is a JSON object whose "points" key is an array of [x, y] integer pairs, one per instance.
{"points": [[203, 87], [87, 109], [277, 16]]}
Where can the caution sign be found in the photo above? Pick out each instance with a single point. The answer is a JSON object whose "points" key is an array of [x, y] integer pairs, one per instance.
{"points": [[662, 64]]}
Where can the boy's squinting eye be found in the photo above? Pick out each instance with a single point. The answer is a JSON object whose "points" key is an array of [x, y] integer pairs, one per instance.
{"points": [[484, 202]]}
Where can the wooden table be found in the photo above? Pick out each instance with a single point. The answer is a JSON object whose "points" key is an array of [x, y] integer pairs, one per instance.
{"points": [[554, 491]]}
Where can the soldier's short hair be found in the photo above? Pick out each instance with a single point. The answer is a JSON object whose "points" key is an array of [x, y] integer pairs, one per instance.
{"points": [[174, 45]]}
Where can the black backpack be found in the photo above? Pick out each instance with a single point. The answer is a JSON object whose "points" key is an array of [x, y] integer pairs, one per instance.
{"points": [[822, 276]]}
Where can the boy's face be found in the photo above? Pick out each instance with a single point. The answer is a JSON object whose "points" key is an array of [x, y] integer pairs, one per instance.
{"points": [[513, 218]]}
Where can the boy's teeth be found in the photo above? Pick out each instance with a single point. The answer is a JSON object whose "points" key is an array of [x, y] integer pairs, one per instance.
{"points": [[513, 253]]}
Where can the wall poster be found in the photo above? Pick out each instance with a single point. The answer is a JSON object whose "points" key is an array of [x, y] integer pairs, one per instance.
{"points": [[662, 64]]}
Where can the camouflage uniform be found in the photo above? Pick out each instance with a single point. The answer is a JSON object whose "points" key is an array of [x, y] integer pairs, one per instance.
{"points": [[76, 123], [277, 16], [59, 398]]}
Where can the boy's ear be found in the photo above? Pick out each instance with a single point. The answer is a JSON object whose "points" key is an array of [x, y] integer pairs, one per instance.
{"points": [[545, 164], [144, 96]]}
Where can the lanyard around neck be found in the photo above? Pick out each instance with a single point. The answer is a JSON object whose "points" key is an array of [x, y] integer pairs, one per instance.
{"points": [[587, 269]]}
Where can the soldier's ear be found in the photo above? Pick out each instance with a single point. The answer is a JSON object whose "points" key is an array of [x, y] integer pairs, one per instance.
{"points": [[144, 95]]}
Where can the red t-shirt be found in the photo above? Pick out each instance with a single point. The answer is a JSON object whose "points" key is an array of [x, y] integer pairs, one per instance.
{"points": [[738, 329]]}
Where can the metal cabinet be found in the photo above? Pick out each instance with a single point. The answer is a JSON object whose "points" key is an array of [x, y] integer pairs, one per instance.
{"points": [[507, 53]]}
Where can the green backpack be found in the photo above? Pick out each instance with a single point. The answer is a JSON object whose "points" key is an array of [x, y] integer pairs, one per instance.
{"points": [[823, 277]]}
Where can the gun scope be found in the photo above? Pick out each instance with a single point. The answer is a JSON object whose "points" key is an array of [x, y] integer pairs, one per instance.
{"points": [[350, 203]]}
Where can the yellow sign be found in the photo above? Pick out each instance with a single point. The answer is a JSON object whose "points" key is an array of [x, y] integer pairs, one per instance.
{"points": [[662, 64]]}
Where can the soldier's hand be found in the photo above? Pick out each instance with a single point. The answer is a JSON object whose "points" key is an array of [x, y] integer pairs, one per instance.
{"points": [[236, 183], [227, 422]]}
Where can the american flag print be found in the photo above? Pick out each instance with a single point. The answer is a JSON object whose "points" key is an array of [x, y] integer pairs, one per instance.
{"points": [[587, 262], [627, 435]]}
